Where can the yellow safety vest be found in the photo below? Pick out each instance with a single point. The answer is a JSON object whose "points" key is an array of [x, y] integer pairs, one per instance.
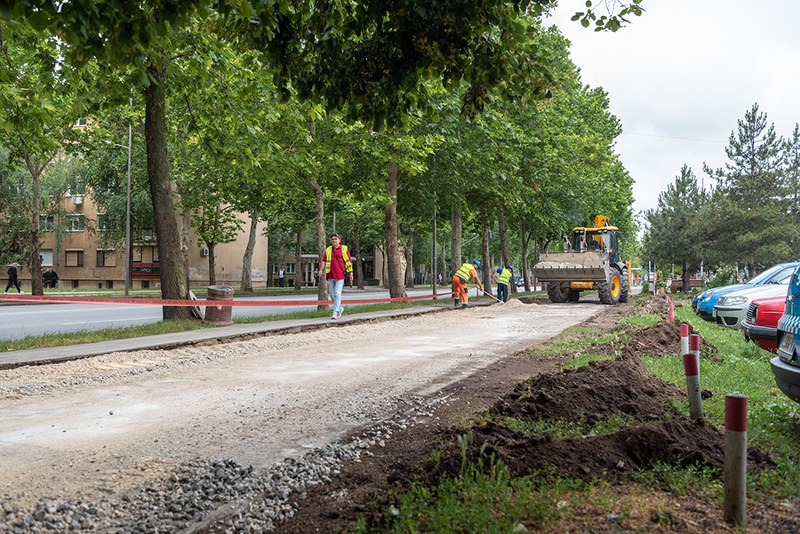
{"points": [[348, 265], [463, 272], [504, 277]]}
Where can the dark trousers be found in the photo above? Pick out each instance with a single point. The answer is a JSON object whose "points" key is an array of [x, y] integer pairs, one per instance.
{"points": [[281, 282], [14, 283], [502, 292]]}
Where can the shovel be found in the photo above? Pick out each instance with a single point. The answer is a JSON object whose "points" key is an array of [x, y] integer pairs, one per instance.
{"points": [[489, 294]]}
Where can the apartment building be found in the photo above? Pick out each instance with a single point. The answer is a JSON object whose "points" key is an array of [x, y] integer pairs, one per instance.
{"points": [[81, 261]]}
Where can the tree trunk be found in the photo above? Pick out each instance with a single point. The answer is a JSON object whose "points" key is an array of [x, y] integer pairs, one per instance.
{"points": [[298, 258], [455, 239], [247, 260], [319, 198], [444, 266], [359, 265], [35, 264], [173, 274], [524, 242], [212, 264], [390, 231], [186, 242], [501, 229], [409, 252], [485, 277]]}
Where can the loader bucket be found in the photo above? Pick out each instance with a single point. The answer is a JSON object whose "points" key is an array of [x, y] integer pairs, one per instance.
{"points": [[572, 267]]}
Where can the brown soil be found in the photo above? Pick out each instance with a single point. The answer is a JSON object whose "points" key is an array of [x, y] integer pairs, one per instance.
{"points": [[527, 388]]}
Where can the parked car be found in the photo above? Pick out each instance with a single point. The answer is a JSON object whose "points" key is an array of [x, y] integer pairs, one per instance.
{"points": [[703, 303], [786, 366], [760, 325], [731, 309]]}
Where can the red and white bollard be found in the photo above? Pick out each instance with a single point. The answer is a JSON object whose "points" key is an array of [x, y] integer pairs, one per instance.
{"points": [[692, 372], [684, 339], [694, 347], [735, 468]]}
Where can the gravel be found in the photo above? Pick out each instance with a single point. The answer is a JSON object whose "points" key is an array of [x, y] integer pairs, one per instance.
{"points": [[195, 493]]}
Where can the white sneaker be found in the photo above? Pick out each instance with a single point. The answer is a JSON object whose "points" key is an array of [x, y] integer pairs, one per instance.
{"points": [[334, 316], [340, 312]]}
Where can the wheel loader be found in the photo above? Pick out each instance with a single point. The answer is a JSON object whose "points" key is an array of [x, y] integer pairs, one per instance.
{"points": [[591, 260]]}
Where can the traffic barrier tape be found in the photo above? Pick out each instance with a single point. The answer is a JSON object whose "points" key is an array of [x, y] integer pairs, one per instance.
{"points": [[52, 299]]}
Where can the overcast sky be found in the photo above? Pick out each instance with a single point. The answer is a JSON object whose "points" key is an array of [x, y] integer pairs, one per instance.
{"points": [[680, 77]]}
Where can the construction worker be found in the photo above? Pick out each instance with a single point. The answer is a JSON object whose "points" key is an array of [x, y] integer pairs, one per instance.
{"points": [[460, 279], [504, 275]]}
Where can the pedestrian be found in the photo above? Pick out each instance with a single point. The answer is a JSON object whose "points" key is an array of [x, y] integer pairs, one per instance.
{"points": [[281, 277], [460, 279], [439, 278], [503, 277], [336, 264], [12, 278]]}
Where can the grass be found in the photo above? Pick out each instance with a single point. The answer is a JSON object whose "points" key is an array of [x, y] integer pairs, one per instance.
{"points": [[562, 429], [485, 498], [773, 419]]}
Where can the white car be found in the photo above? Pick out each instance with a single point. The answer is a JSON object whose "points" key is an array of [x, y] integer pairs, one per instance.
{"points": [[731, 309]]}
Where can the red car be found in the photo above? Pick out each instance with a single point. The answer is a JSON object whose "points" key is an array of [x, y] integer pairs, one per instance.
{"points": [[761, 324]]}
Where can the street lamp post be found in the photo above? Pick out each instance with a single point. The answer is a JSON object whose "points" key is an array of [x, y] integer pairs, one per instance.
{"points": [[128, 218], [127, 212]]}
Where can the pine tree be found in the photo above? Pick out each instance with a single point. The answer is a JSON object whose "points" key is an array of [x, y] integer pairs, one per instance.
{"points": [[671, 235], [747, 220]]}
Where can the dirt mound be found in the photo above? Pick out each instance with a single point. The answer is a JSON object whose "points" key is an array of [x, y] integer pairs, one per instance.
{"points": [[664, 339], [592, 393], [639, 447]]}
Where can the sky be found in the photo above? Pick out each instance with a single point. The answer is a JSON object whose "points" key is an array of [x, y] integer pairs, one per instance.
{"points": [[680, 77]]}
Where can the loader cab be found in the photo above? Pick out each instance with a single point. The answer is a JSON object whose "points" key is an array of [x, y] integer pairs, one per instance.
{"points": [[603, 239]]}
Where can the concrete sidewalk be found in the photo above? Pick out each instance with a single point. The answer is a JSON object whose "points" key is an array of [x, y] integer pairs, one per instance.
{"points": [[20, 358]]}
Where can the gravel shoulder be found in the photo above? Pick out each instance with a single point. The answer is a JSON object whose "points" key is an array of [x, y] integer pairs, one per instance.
{"points": [[98, 434]]}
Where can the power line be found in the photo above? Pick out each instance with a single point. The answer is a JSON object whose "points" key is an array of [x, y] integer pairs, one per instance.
{"points": [[673, 137]]}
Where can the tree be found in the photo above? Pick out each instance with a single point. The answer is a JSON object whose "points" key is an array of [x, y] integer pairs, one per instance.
{"points": [[671, 236], [750, 202], [41, 103], [373, 62]]}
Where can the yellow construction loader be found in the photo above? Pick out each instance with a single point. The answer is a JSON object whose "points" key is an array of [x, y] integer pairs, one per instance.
{"points": [[591, 260]]}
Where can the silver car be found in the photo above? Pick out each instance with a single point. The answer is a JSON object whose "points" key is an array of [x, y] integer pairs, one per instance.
{"points": [[731, 309]]}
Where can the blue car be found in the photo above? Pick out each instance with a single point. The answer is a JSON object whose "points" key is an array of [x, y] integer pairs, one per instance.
{"points": [[786, 365], [703, 303]]}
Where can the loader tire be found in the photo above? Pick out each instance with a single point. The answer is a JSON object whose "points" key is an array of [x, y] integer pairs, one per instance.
{"points": [[574, 295], [625, 286], [610, 290], [558, 292]]}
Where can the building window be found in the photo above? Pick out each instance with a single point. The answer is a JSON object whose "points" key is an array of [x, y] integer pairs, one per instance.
{"points": [[75, 284], [46, 223], [47, 257], [104, 223], [290, 268], [81, 122], [73, 258], [145, 284], [75, 223], [110, 284], [145, 254], [106, 258]]}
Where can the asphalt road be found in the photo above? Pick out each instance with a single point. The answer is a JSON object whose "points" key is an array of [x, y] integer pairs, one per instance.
{"points": [[19, 321]]}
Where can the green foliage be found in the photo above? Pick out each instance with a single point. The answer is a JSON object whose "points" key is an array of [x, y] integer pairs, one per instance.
{"points": [[744, 368], [673, 227]]}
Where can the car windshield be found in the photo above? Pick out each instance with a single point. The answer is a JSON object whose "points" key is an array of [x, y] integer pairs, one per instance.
{"points": [[768, 274]]}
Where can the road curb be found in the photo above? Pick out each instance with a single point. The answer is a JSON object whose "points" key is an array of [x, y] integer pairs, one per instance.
{"points": [[48, 355]]}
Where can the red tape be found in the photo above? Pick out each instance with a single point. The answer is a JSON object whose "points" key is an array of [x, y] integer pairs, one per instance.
{"points": [[52, 299]]}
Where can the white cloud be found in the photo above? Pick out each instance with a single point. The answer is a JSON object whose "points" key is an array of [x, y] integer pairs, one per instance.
{"points": [[681, 76]]}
